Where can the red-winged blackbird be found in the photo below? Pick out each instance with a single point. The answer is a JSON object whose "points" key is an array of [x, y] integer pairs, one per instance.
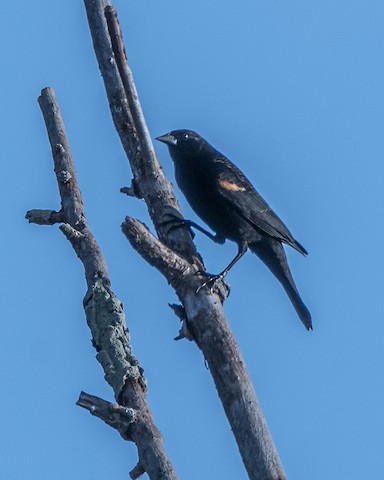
{"points": [[227, 201]]}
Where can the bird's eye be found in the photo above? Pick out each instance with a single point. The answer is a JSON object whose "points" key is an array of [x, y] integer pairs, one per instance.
{"points": [[186, 136]]}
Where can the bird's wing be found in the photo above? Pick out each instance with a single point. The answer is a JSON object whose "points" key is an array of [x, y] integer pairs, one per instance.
{"points": [[242, 197]]}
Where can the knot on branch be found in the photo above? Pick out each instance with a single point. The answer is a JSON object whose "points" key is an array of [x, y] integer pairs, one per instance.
{"points": [[179, 311], [72, 234], [59, 149], [64, 176], [132, 191], [137, 472]]}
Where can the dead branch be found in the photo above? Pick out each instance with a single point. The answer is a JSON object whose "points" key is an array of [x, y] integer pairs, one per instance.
{"points": [[104, 312], [205, 317]]}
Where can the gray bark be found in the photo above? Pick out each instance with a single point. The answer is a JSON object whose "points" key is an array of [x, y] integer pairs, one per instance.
{"points": [[174, 254], [132, 418]]}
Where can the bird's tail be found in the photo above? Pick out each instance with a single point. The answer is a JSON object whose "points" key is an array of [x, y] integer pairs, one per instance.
{"points": [[273, 255]]}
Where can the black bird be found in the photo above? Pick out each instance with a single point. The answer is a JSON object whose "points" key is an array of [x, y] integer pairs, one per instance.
{"points": [[226, 200]]}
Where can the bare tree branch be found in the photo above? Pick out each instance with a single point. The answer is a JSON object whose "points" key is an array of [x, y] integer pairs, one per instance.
{"points": [[118, 417], [169, 263], [204, 313], [149, 180], [44, 217], [126, 76], [104, 312]]}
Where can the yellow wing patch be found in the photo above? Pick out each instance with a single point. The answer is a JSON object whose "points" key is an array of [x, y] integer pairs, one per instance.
{"points": [[231, 186]]}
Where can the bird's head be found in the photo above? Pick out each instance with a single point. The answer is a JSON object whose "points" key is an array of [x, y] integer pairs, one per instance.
{"points": [[186, 141]]}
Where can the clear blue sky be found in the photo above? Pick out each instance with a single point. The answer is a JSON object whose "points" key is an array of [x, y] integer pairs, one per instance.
{"points": [[293, 93]]}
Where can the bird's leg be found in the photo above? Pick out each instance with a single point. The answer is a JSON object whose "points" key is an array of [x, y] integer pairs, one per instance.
{"points": [[214, 278], [182, 222], [216, 238], [176, 222]]}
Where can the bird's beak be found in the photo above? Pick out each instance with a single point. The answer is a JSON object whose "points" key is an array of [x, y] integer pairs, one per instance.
{"points": [[168, 139]]}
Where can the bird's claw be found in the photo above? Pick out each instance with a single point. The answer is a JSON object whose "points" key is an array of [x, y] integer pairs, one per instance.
{"points": [[210, 282]]}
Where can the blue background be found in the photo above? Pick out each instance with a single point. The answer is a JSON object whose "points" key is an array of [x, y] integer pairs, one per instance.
{"points": [[292, 92]]}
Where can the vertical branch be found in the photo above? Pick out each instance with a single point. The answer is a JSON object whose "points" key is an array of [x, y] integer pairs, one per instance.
{"points": [[209, 328], [149, 180], [204, 314], [128, 83]]}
